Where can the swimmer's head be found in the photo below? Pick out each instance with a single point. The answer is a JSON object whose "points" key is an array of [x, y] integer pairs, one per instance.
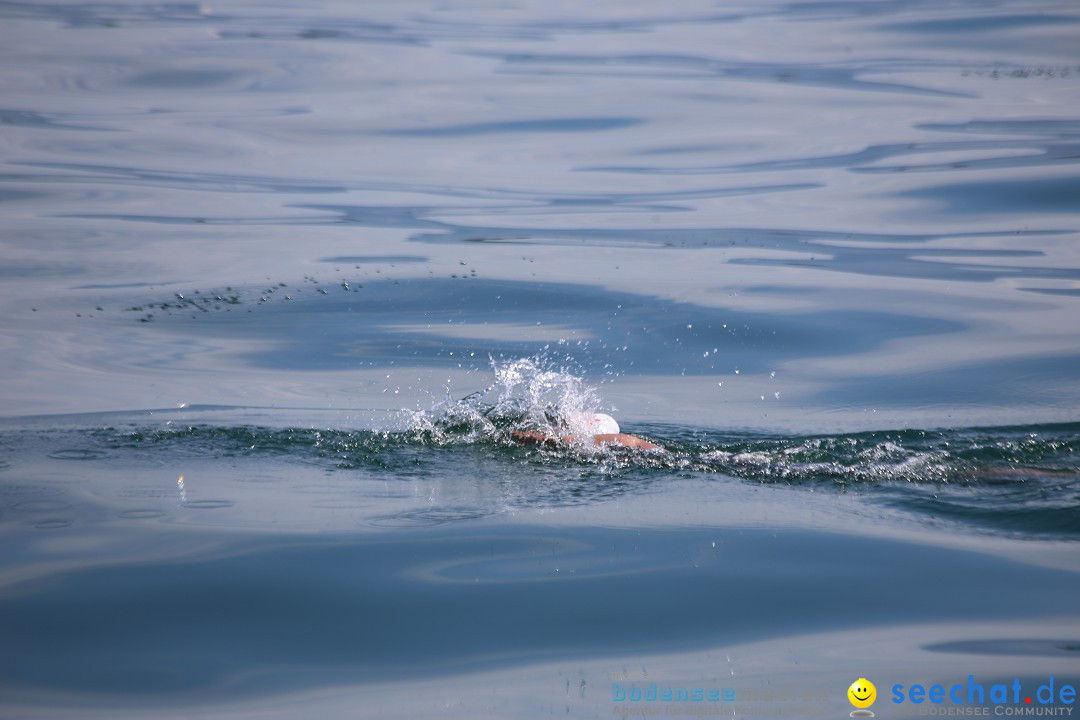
{"points": [[602, 424], [587, 423]]}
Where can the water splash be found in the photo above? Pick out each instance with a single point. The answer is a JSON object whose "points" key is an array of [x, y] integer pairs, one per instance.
{"points": [[1022, 481], [532, 394]]}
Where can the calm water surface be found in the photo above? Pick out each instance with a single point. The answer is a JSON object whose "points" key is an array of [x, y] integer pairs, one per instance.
{"points": [[280, 279]]}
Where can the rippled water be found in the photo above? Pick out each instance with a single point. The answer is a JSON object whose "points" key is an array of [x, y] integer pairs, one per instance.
{"points": [[281, 280]]}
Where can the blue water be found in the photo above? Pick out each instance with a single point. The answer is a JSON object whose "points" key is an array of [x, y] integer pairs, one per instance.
{"points": [[280, 281]]}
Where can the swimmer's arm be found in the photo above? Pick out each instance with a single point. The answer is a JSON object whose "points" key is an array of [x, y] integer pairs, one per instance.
{"points": [[531, 436], [626, 440], [623, 439]]}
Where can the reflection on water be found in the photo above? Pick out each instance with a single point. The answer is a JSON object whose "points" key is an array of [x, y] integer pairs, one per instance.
{"points": [[825, 253], [442, 603]]}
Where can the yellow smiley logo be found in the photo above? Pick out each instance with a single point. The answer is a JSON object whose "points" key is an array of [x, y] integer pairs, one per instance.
{"points": [[862, 693]]}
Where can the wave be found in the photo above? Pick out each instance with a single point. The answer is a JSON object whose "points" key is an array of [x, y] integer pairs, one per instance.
{"points": [[1021, 480]]}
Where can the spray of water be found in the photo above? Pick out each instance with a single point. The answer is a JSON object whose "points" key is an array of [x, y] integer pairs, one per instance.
{"points": [[528, 395], [991, 472]]}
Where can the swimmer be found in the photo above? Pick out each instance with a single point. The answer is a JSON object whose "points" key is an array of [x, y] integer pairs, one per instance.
{"points": [[605, 431]]}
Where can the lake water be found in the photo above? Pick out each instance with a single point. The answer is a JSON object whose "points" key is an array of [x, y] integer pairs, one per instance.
{"points": [[281, 279]]}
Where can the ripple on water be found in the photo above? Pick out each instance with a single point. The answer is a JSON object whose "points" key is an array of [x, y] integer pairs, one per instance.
{"points": [[428, 517], [52, 524], [255, 479], [339, 505], [317, 490], [42, 505], [148, 491], [208, 504], [21, 489], [77, 454], [139, 514]]}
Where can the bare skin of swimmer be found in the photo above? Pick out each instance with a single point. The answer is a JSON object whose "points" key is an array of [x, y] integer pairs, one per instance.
{"points": [[624, 439]]}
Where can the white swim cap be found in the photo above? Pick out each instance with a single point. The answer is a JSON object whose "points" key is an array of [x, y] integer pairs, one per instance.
{"points": [[602, 424]]}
